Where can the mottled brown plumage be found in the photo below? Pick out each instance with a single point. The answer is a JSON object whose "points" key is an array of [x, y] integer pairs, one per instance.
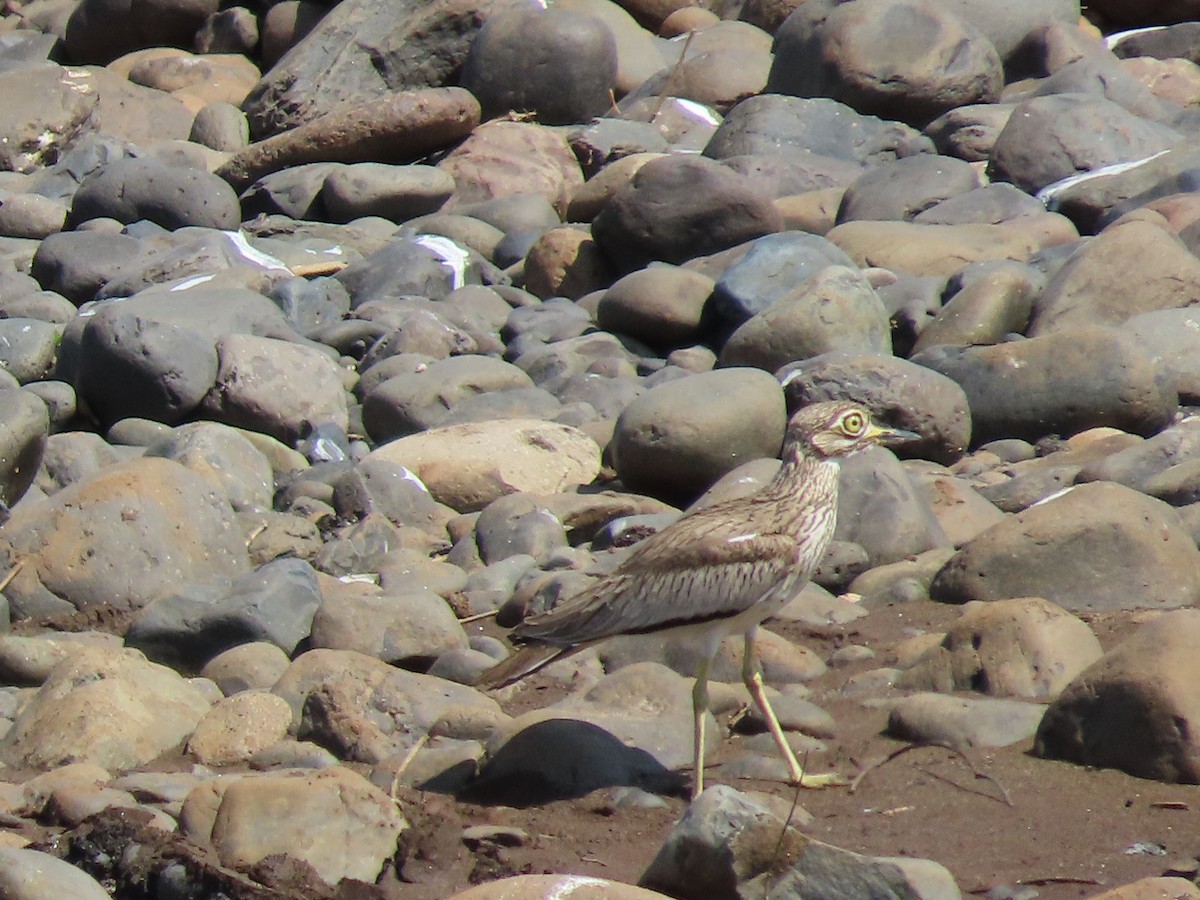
{"points": [[718, 571]]}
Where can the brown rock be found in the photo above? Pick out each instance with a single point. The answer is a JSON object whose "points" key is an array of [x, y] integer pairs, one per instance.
{"points": [[502, 159], [565, 262], [1131, 268], [1026, 647], [400, 128], [334, 819], [939, 250], [1136, 709], [1100, 546]]}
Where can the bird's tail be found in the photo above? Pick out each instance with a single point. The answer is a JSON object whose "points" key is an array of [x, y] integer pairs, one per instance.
{"points": [[525, 661]]}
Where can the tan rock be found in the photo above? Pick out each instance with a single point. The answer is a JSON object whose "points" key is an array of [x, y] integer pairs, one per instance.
{"points": [[129, 534], [468, 466], [114, 709], [939, 250], [1026, 647], [236, 728], [334, 820], [1153, 888]]}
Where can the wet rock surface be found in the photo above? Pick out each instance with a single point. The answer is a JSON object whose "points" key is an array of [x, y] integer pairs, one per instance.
{"points": [[338, 342]]}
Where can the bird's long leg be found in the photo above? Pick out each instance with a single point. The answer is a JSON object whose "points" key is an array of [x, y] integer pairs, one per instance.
{"points": [[700, 714], [752, 676]]}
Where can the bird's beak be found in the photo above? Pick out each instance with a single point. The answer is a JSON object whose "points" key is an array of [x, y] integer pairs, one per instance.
{"points": [[889, 436]]}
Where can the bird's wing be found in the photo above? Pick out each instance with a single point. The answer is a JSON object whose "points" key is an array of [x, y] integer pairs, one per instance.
{"points": [[679, 576]]}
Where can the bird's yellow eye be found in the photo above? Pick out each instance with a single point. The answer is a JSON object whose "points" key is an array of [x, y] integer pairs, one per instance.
{"points": [[853, 423]]}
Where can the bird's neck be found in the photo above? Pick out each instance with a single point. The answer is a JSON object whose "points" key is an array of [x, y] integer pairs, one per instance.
{"points": [[804, 475]]}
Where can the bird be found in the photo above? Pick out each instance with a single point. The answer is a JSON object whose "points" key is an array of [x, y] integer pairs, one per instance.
{"points": [[718, 571]]}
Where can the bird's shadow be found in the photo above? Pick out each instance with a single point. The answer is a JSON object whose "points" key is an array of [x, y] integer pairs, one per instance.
{"points": [[557, 759]]}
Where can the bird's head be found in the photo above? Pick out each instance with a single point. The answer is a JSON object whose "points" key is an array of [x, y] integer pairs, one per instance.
{"points": [[836, 429]]}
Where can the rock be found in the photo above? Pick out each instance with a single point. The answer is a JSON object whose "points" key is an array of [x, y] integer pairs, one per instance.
{"points": [[772, 268], [401, 628], [1025, 647], [719, 841], [155, 356], [662, 305], [27, 874], [783, 662], [1152, 888], [334, 820], [86, 545], [961, 511], [398, 193], [188, 628], [631, 728], [220, 126], [937, 250], [1172, 335], [97, 33], [28, 348], [681, 436], [963, 722], [130, 190], [1104, 194], [23, 437], [237, 727], [904, 188], [984, 310], [43, 112], [108, 707], [468, 466], [1050, 138], [504, 159], [835, 310], [223, 457], [77, 264], [1058, 383], [904, 394], [369, 711], [1150, 268], [910, 60], [275, 387], [399, 128], [1100, 546], [559, 64], [880, 510], [1134, 708], [256, 665], [676, 208], [579, 887], [774, 124], [363, 55], [565, 262]]}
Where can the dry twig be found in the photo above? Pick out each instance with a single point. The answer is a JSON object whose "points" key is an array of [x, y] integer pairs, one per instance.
{"points": [[1004, 797]]}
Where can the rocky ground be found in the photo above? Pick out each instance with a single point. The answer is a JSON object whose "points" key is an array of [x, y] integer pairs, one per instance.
{"points": [[335, 341]]}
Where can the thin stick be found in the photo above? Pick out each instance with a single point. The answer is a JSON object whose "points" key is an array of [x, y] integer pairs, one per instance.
{"points": [[12, 573], [467, 620], [404, 764], [672, 78], [255, 533], [948, 747]]}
